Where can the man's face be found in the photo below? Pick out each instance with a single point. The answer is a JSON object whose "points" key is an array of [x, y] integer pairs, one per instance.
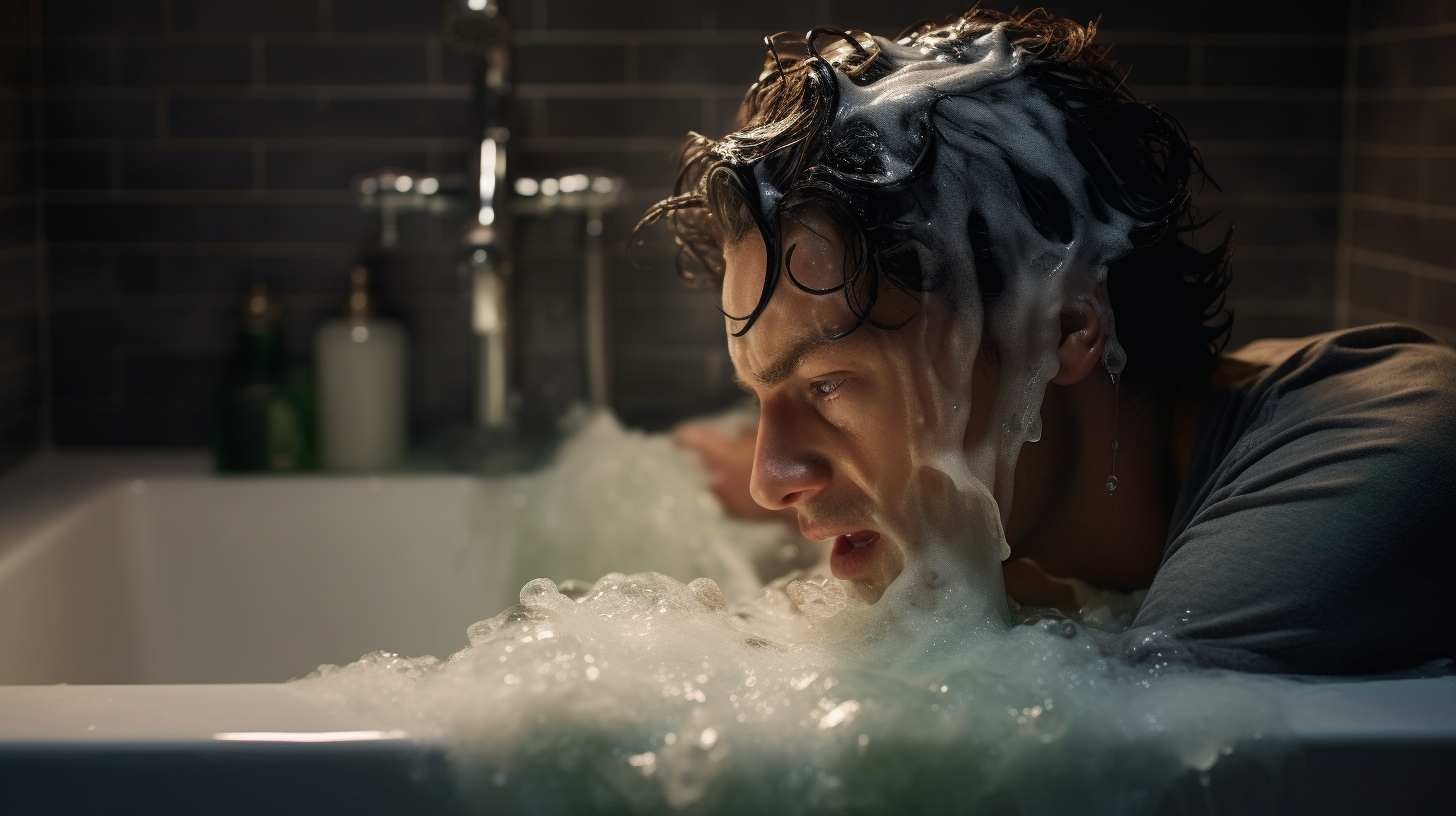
{"points": [[847, 427]]}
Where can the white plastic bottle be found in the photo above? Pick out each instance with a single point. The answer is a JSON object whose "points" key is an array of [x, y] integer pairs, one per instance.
{"points": [[361, 386]]}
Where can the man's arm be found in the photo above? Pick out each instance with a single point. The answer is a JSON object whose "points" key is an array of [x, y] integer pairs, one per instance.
{"points": [[1322, 537]]}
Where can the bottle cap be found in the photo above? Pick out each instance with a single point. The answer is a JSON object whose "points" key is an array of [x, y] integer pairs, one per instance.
{"points": [[359, 306], [261, 308]]}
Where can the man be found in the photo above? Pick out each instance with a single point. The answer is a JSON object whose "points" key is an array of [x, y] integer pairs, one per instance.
{"points": [[951, 269]]}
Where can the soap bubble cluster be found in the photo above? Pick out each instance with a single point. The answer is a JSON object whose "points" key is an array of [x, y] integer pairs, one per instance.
{"points": [[615, 499], [642, 694]]}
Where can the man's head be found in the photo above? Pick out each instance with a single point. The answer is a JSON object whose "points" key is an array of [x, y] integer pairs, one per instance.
{"points": [[945, 208], [854, 125]]}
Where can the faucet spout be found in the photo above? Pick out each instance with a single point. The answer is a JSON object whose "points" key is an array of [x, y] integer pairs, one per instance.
{"points": [[490, 321]]}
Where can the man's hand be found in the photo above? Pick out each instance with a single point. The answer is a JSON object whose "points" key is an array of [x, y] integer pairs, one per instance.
{"points": [[729, 461]]}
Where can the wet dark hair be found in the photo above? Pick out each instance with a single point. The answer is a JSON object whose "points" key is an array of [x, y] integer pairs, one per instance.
{"points": [[1167, 296]]}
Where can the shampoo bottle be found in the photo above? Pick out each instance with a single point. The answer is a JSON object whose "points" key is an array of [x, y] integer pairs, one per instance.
{"points": [[361, 385]]}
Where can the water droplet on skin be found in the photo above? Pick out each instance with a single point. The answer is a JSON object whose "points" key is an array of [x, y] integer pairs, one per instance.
{"points": [[1111, 483]]}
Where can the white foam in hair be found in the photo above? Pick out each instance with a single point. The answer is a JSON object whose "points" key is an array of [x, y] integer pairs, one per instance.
{"points": [[989, 123]]}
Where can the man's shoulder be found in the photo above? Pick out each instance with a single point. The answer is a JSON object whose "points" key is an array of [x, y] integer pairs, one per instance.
{"points": [[1356, 417], [1315, 522], [1354, 347], [1392, 363]]}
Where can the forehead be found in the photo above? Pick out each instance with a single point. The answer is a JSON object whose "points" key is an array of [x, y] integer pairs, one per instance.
{"points": [[813, 252], [794, 324], [797, 325]]}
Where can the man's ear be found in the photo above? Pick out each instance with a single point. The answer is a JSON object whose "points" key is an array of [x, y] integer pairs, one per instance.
{"points": [[1082, 340]]}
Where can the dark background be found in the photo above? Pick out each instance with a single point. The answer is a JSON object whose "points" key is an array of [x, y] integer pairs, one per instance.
{"points": [[157, 156]]}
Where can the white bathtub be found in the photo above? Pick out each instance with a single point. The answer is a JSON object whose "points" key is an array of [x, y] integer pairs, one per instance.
{"points": [[174, 603], [163, 578]]}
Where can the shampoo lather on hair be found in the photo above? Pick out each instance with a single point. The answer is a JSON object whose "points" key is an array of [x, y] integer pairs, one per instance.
{"points": [[361, 385]]}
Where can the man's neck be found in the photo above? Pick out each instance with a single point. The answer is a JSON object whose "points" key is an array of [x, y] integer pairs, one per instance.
{"points": [[1065, 517]]}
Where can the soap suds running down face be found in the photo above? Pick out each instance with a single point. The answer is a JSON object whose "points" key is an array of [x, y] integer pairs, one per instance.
{"points": [[975, 180]]}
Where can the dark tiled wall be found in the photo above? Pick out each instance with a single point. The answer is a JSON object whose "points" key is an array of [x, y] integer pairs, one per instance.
{"points": [[196, 145], [21, 256], [1400, 261]]}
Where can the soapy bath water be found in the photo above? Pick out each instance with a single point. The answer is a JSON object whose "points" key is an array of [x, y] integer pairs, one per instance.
{"points": [[641, 694], [644, 694]]}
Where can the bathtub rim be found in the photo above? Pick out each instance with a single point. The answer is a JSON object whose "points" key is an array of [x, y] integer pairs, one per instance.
{"points": [[1346, 757], [1414, 710]]}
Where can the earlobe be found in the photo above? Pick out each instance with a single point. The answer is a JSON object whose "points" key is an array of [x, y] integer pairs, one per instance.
{"points": [[1081, 347]]}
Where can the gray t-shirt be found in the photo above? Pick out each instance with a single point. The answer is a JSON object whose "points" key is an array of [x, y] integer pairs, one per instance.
{"points": [[1316, 529]]}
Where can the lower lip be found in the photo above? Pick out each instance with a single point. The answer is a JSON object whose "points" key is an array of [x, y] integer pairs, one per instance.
{"points": [[849, 562]]}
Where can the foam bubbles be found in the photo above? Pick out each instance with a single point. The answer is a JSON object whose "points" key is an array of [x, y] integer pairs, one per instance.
{"points": [[615, 499], [644, 694]]}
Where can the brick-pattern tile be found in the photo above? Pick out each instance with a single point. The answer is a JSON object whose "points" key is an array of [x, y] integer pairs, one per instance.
{"points": [[21, 397], [1403, 210], [1281, 66], [186, 170], [1424, 62], [223, 117], [101, 118], [101, 17], [1406, 14], [78, 169], [373, 16], [733, 63], [196, 146], [345, 64], [1383, 289], [1154, 64], [268, 16], [130, 65], [15, 18], [545, 63]]}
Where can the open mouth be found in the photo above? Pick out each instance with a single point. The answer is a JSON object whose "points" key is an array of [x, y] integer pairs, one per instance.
{"points": [[853, 554]]}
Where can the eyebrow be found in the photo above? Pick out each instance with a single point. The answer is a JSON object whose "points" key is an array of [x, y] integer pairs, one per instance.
{"points": [[787, 362]]}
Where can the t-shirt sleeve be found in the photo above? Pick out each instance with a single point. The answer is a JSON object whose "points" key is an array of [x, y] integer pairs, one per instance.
{"points": [[1321, 538]]}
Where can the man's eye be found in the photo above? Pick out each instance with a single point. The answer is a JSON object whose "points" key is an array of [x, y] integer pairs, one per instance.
{"points": [[825, 388]]}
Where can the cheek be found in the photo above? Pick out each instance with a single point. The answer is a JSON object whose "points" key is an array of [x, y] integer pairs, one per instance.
{"points": [[885, 425]]}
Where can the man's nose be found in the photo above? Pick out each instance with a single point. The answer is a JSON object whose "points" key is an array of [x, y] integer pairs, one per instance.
{"points": [[786, 469]]}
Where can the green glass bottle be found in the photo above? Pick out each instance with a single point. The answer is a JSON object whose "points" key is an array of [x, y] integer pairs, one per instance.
{"points": [[263, 416]]}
